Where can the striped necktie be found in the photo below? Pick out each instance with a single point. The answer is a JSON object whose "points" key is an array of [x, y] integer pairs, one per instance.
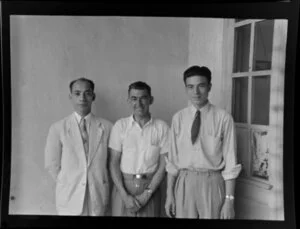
{"points": [[84, 135], [196, 127]]}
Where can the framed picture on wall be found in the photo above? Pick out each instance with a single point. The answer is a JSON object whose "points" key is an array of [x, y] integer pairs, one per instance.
{"points": [[249, 47]]}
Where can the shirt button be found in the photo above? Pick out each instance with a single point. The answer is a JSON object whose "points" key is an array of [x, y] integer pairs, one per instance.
{"points": [[83, 184]]}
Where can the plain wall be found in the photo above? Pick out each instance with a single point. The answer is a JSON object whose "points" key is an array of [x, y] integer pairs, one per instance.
{"points": [[205, 49], [47, 52]]}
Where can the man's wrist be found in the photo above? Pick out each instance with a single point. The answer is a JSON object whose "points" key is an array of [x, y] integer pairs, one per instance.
{"points": [[229, 197], [170, 193]]}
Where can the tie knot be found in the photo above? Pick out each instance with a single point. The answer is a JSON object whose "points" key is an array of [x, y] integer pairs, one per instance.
{"points": [[82, 121], [197, 113]]}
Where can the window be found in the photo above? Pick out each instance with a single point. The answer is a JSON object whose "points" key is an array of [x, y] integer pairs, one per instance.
{"points": [[254, 54], [251, 77]]}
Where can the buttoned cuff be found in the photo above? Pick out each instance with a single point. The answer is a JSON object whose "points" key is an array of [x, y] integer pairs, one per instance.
{"points": [[232, 173]]}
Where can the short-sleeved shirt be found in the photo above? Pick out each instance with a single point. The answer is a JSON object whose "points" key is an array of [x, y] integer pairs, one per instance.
{"points": [[215, 147], [140, 147]]}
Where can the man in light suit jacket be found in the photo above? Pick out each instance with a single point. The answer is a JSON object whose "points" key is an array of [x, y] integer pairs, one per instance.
{"points": [[76, 156]]}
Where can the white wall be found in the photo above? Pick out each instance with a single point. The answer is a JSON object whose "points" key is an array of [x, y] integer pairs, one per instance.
{"points": [[48, 52], [205, 49]]}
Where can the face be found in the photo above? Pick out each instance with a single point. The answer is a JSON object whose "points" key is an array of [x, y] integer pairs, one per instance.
{"points": [[197, 89], [82, 97], [140, 101]]}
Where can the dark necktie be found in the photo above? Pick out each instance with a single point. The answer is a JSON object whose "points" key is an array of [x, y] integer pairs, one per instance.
{"points": [[84, 135], [196, 127]]}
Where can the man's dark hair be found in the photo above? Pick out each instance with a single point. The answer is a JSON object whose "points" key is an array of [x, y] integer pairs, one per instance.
{"points": [[82, 80], [197, 71], [138, 85]]}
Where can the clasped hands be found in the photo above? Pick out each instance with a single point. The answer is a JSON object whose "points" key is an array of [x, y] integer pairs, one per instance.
{"points": [[135, 203]]}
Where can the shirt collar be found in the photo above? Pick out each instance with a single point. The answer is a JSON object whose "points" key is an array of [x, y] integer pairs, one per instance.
{"points": [[132, 121], [203, 109], [87, 117]]}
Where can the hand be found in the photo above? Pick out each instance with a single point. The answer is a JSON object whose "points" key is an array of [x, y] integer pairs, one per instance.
{"points": [[143, 198], [227, 211], [131, 203], [170, 206]]}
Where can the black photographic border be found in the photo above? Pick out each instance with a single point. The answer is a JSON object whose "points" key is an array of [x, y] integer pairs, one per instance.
{"points": [[212, 9]]}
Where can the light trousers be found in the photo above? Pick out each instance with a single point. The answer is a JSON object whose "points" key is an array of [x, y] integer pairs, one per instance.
{"points": [[135, 187], [199, 194]]}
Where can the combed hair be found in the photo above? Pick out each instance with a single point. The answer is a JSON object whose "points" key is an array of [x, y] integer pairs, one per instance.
{"points": [[139, 85], [82, 79], [197, 71]]}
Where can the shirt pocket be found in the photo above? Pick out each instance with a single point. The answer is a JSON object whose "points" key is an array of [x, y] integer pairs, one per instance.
{"points": [[155, 138], [152, 155], [211, 144]]}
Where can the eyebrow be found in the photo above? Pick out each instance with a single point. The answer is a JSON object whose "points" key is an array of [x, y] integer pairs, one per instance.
{"points": [[203, 83], [143, 96], [89, 90]]}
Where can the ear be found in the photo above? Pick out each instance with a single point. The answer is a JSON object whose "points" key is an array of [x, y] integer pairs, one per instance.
{"points": [[70, 96], [151, 99], [209, 87], [94, 96]]}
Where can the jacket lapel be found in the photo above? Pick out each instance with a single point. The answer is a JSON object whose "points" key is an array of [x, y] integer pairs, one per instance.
{"points": [[75, 136], [96, 132]]}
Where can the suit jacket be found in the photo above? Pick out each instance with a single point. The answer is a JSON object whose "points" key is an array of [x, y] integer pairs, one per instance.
{"points": [[66, 161]]}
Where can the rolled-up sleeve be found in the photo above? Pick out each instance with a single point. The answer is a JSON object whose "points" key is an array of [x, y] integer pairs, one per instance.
{"points": [[115, 142], [172, 158], [53, 151], [232, 169]]}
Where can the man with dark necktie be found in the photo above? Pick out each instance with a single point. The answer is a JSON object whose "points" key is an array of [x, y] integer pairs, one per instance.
{"points": [[201, 164]]}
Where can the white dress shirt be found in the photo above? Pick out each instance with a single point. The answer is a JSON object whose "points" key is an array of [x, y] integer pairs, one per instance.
{"points": [[215, 147], [87, 120], [140, 147]]}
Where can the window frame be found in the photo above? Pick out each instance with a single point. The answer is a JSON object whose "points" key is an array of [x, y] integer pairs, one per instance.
{"points": [[276, 79]]}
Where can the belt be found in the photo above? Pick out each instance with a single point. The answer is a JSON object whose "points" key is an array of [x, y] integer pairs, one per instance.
{"points": [[200, 170], [137, 176]]}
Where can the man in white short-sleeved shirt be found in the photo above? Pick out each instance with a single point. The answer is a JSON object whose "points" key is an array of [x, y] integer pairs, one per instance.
{"points": [[137, 147], [202, 163]]}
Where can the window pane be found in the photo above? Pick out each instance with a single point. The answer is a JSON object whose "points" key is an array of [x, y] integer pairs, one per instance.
{"points": [[260, 100], [241, 48], [242, 142], [263, 42], [240, 99], [260, 154]]}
